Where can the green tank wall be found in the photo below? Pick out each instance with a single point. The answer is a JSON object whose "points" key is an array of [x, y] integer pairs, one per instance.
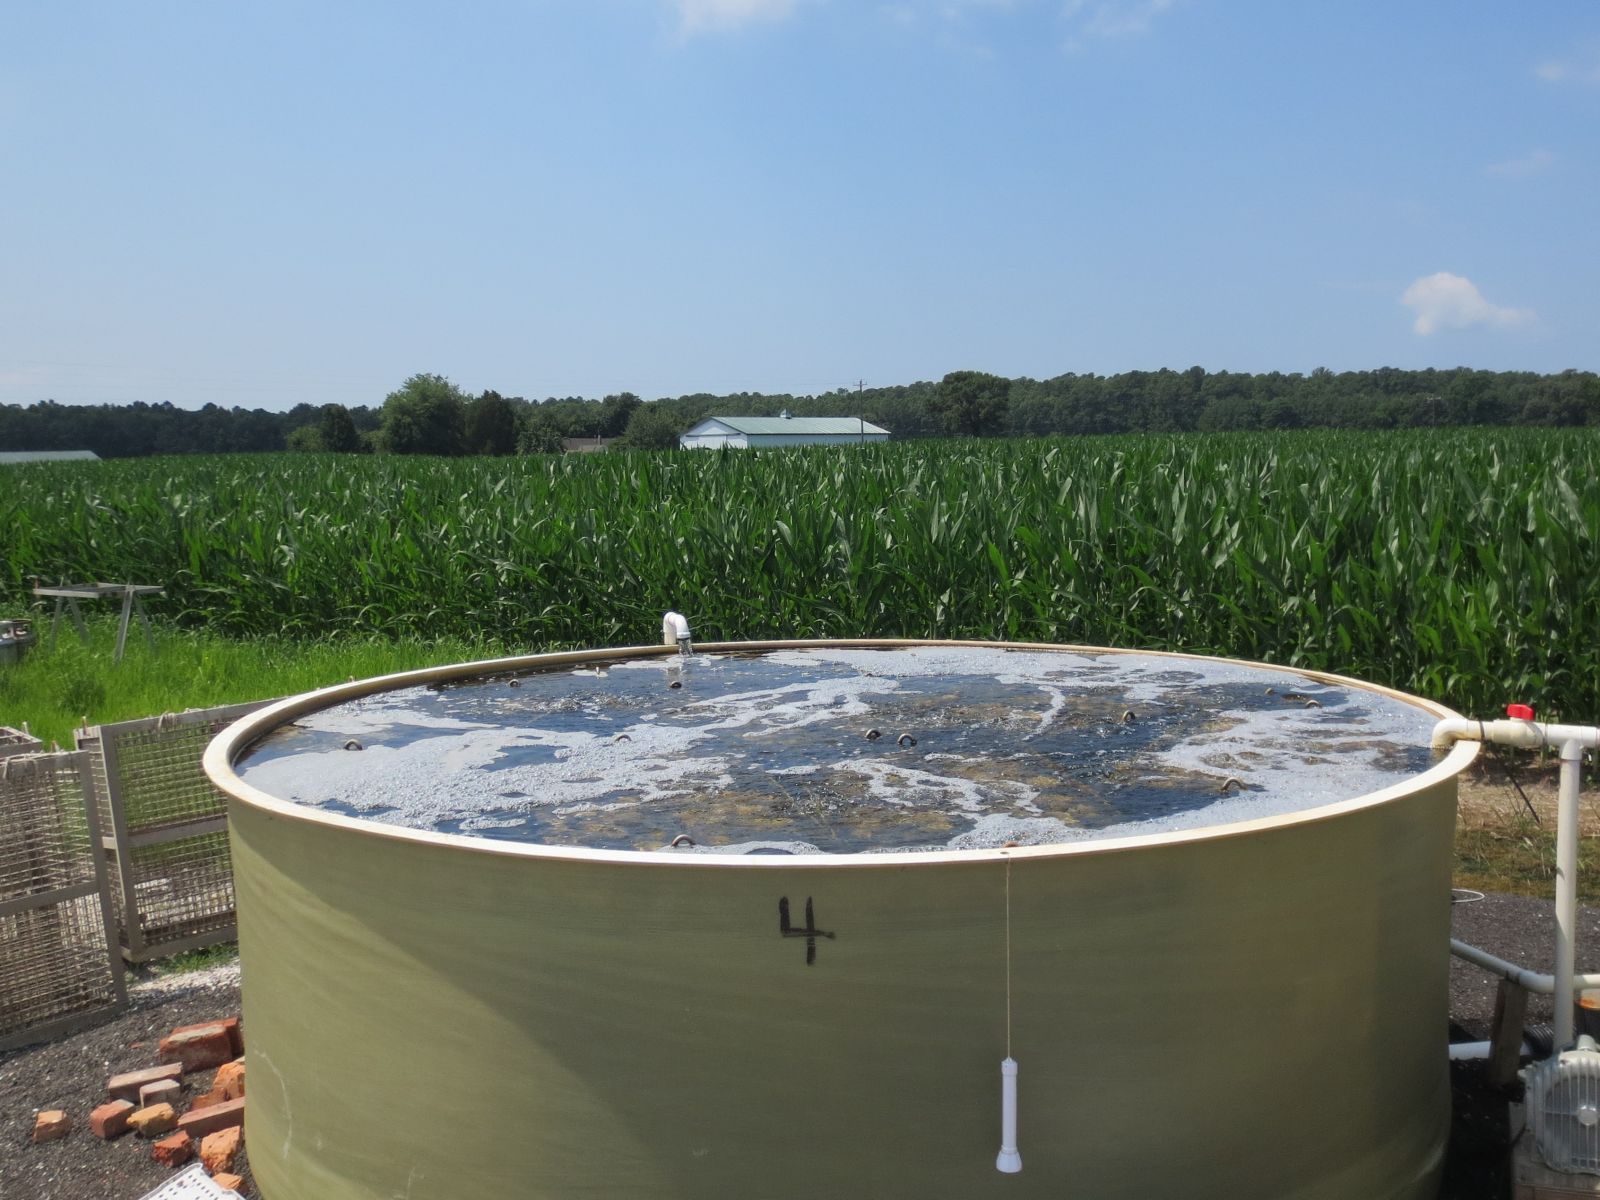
{"points": [[1255, 1010]]}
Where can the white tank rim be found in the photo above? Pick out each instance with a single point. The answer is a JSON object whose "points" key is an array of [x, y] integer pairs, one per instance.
{"points": [[226, 748]]}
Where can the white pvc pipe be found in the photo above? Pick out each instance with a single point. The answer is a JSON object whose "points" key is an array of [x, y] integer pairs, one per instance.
{"points": [[674, 629], [1529, 735], [1466, 1051], [1533, 981], [1573, 739], [1009, 1160], [1567, 887]]}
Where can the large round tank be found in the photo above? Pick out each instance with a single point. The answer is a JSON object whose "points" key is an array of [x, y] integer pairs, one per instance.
{"points": [[1212, 930]]}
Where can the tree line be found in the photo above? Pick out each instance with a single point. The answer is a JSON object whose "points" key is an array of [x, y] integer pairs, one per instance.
{"points": [[428, 414]]}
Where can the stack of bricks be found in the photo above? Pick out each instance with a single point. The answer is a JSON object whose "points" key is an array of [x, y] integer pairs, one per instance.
{"points": [[147, 1102]]}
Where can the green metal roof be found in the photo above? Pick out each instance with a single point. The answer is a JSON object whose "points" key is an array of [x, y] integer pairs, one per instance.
{"points": [[800, 425]]}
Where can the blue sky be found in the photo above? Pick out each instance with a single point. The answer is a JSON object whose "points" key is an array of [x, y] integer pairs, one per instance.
{"points": [[260, 205]]}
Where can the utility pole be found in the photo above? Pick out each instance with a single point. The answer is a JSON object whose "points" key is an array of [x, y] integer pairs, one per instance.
{"points": [[860, 419]]}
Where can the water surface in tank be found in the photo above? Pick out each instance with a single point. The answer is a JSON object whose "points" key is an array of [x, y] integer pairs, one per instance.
{"points": [[846, 750]]}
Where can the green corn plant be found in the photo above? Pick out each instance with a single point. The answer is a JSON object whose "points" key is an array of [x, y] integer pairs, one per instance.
{"points": [[1461, 564]]}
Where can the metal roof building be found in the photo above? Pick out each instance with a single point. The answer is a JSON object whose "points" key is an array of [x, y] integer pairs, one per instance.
{"points": [[755, 432], [7, 457]]}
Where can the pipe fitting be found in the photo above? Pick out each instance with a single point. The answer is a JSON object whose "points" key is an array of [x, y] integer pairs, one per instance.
{"points": [[674, 629]]}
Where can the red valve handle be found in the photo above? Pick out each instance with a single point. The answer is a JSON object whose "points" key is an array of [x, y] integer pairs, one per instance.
{"points": [[1520, 712]]}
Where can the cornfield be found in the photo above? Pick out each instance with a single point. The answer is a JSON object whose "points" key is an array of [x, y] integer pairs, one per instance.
{"points": [[1463, 565]]}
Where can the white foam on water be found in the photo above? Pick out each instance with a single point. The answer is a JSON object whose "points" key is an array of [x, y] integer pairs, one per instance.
{"points": [[921, 662], [1274, 750], [1306, 760], [384, 711], [996, 829], [486, 822], [793, 706], [1133, 676], [494, 775], [908, 787], [663, 663], [756, 847], [437, 779], [1058, 701]]}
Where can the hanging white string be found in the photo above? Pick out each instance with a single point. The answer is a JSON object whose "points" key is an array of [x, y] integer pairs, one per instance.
{"points": [[1009, 1160], [1008, 956]]}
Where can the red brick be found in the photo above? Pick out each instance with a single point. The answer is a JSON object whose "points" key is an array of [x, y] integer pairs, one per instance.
{"points": [[110, 1120], [219, 1149], [126, 1087], [173, 1151], [153, 1121], [229, 1083], [229, 1182], [231, 1024], [51, 1126], [199, 1122], [198, 1047], [164, 1091]]}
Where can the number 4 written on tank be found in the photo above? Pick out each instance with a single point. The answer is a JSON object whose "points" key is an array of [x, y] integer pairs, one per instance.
{"points": [[810, 931]]}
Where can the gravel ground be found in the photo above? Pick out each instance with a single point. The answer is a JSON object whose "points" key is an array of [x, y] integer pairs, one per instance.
{"points": [[1518, 928], [71, 1073]]}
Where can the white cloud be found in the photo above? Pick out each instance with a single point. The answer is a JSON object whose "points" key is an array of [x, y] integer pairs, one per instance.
{"points": [[712, 16], [950, 12], [1520, 168], [1114, 18], [1585, 69], [956, 24], [1446, 301]]}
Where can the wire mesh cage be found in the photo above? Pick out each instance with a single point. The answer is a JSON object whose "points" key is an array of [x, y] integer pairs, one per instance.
{"points": [[17, 741], [166, 831], [183, 888], [58, 962]]}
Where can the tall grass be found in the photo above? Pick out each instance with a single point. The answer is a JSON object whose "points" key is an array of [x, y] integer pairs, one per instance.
{"points": [[1463, 565], [58, 688]]}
